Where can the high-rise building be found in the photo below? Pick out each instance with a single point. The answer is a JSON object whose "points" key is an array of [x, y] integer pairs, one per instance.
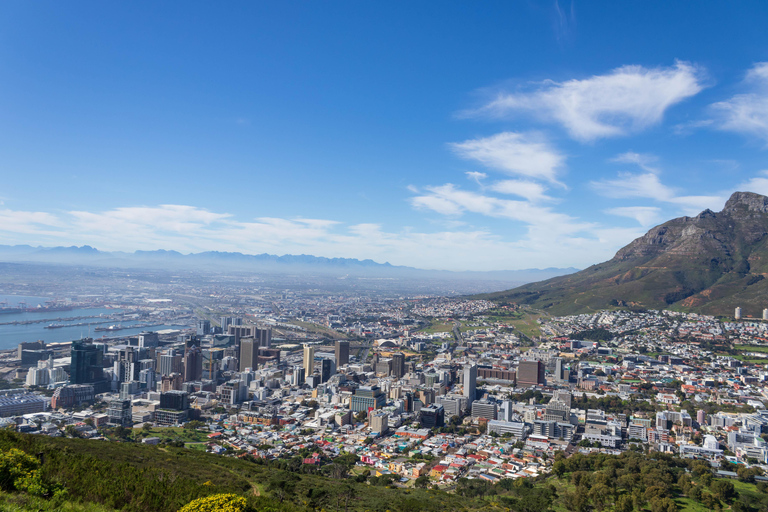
{"points": [[530, 373], [148, 339], [170, 363], [298, 375], [309, 360], [470, 383], [86, 365], [263, 337], [203, 327], [240, 331], [398, 365], [559, 376], [174, 400], [367, 398], [379, 422], [342, 353], [484, 409], [249, 354], [432, 416], [326, 369], [119, 412], [193, 364]]}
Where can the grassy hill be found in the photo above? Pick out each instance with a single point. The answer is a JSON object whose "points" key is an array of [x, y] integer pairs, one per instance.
{"points": [[101, 476]]}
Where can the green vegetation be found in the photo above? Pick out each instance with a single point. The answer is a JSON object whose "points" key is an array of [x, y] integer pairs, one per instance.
{"points": [[92, 476], [185, 435]]}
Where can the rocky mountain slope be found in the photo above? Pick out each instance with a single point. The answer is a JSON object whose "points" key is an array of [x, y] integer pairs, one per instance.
{"points": [[710, 263]]}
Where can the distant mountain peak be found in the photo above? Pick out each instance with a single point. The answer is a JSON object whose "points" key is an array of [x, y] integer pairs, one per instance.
{"points": [[746, 200], [711, 263]]}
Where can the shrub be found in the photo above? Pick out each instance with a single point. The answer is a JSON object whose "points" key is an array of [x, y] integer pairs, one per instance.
{"points": [[216, 503]]}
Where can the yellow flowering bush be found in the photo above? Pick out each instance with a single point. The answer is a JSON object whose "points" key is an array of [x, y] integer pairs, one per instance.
{"points": [[216, 503], [21, 471]]}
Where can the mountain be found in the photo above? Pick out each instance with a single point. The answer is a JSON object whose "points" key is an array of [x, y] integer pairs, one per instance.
{"points": [[710, 263], [349, 270]]}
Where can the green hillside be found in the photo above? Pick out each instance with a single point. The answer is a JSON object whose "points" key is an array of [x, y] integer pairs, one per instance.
{"points": [[710, 263], [101, 476]]}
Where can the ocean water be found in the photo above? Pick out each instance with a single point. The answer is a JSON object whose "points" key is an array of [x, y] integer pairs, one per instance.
{"points": [[11, 335]]}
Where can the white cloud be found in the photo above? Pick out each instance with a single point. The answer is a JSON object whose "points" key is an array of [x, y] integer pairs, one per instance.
{"points": [[527, 189], [649, 186], [626, 100], [644, 215], [475, 176], [642, 160], [758, 184], [747, 113], [523, 154]]}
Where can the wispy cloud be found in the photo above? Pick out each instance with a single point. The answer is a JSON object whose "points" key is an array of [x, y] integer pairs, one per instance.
{"points": [[644, 215], [529, 190], [626, 100], [564, 20], [191, 229], [648, 185], [747, 113], [475, 176], [758, 184], [643, 161], [522, 154]]}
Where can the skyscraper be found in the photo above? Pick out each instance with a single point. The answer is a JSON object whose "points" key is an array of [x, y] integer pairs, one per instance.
{"points": [[470, 383], [342, 353], [326, 369], [559, 369], [193, 364], [298, 375], [203, 327], [249, 353], [86, 363], [309, 360], [263, 337], [398, 365]]}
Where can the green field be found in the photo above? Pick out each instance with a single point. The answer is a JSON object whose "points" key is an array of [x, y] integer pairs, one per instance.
{"points": [[751, 348], [174, 434]]}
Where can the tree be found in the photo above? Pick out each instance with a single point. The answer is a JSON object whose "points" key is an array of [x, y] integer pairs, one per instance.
{"points": [[422, 482], [723, 490], [624, 504]]}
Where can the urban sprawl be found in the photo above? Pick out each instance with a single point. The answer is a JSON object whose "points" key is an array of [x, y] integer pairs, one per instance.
{"points": [[420, 390]]}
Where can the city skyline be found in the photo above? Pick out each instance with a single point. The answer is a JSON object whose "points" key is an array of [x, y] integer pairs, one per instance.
{"points": [[460, 137]]}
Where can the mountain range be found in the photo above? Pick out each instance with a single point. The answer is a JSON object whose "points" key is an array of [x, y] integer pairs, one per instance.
{"points": [[710, 263], [215, 261]]}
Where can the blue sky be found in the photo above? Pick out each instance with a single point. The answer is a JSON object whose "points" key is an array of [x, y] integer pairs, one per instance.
{"points": [[453, 135]]}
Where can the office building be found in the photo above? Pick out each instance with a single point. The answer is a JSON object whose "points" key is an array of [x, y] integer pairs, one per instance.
{"points": [[470, 382], [327, 368], [249, 354], [148, 339], [71, 395], [530, 373], [367, 398], [119, 412], [86, 365], [484, 409], [309, 360], [398, 365], [379, 422], [174, 400], [203, 327], [263, 337], [298, 375], [193, 364], [342, 353], [432, 416], [170, 363]]}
